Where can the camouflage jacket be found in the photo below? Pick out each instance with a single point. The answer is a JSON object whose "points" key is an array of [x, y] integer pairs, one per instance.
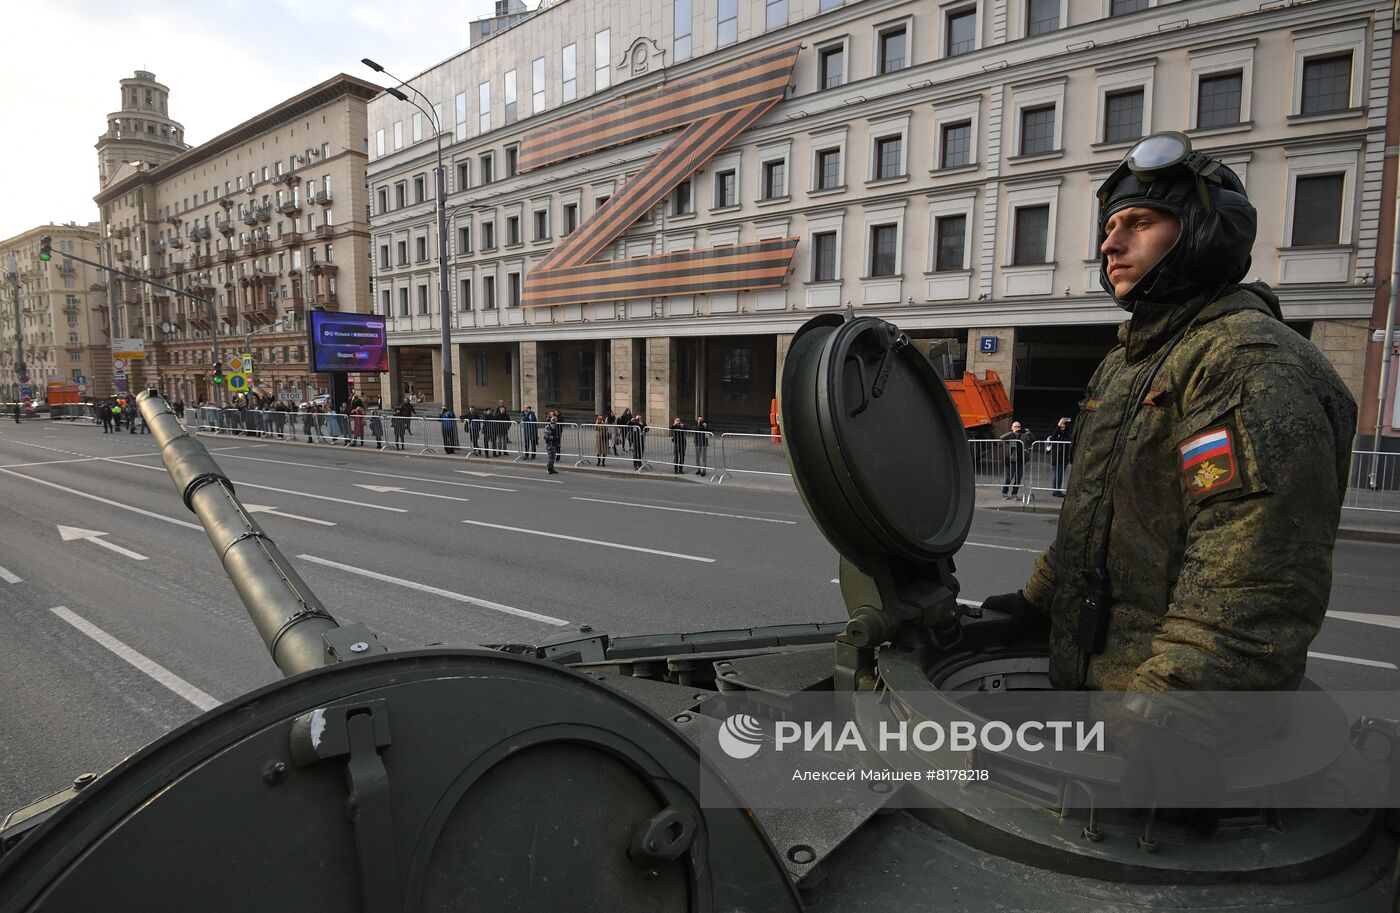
{"points": [[1225, 505]]}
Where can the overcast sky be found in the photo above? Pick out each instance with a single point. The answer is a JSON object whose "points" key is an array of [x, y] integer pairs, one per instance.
{"points": [[223, 62]]}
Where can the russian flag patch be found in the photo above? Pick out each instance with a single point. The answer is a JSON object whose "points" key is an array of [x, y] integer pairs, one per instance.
{"points": [[1208, 460]]}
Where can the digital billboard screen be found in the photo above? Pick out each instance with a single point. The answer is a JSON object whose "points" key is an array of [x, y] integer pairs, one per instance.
{"points": [[348, 342]]}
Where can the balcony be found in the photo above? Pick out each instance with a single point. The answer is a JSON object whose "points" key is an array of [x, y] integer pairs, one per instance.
{"points": [[97, 287], [159, 246], [175, 220], [159, 272], [176, 242], [326, 299], [289, 207], [295, 305], [256, 214], [202, 261], [70, 309], [123, 255], [323, 197], [131, 297], [122, 232], [200, 231], [226, 202], [325, 231], [228, 314], [68, 267], [259, 246], [225, 256], [224, 225], [290, 239]]}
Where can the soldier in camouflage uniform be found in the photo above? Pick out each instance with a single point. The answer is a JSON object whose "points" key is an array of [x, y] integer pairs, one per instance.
{"points": [[1210, 458]]}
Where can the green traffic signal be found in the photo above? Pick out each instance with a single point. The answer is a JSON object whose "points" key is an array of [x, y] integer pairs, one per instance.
{"points": [[45, 248], [218, 377]]}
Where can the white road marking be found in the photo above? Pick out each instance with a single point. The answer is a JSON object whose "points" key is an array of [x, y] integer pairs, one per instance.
{"points": [[422, 494], [286, 491], [367, 472], [424, 588], [686, 510], [71, 533], [9, 577], [501, 475], [147, 665], [630, 548], [83, 494], [265, 509], [1351, 659], [1004, 548], [1366, 618]]}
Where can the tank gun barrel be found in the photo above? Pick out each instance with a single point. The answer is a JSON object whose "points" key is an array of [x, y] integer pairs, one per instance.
{"points": [[289, 618]]}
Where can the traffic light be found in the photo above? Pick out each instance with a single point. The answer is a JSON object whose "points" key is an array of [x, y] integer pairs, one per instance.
{"points": [[218, 378], [45, 248]]}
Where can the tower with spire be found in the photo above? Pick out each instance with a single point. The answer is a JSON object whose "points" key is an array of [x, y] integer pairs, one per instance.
{"points": [[141, 130]]}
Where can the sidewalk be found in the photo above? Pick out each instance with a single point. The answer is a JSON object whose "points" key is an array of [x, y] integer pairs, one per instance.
{"points": [[1359, 525]]}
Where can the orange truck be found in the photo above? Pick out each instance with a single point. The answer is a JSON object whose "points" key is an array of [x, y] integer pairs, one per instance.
{"points": [[61, 394], [981, 403]]}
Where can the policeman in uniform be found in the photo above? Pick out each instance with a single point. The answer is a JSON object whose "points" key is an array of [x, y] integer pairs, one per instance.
{"points": [[1211, 452]]}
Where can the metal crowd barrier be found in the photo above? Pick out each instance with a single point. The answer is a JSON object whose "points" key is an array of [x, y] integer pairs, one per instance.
{"points": [[752, 454], [1375, 481]]}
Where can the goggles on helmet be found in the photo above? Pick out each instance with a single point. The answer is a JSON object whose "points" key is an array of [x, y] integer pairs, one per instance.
{"points": [[1160, 154]]}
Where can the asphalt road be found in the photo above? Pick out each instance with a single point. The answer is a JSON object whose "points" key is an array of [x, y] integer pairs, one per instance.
{"points": [[107, 642]]}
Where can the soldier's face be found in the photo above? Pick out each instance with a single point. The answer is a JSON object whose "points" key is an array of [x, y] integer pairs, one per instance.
{"points": [[1135, 239]]}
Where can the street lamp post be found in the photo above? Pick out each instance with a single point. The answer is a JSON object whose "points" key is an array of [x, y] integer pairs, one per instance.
{"points": [[443, 289], [12, 267]]}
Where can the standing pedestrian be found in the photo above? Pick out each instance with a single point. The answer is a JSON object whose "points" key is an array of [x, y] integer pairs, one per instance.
{"points": [[1058, 447], [551, 442], [624, 431], [448, 420], [403, 416], [530, 424], [501, 425], [678, 432], [611, 419], [104, 414], [603, 438], [376, 428], [308, 421], [639, 435], [1016, 442], [702, 444], [473, 422], [357, 425]]}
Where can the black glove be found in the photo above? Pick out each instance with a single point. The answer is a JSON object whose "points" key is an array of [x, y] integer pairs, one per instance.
{"points": [[1179, 776], [1027, 624]]}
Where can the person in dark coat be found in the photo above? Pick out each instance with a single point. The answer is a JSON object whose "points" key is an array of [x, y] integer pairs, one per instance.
{"points": [[678, 431], [702, 444], [376, 428], [1058, 447], [529, 422]]}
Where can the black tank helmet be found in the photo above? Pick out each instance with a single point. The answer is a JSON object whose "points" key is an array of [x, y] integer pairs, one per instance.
{"points": [[1217, 220]]}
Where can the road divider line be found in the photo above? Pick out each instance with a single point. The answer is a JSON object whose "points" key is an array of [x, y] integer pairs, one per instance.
{"points": [[307, 494], [500, 475], [683, 510], [1375, 663], [1004, 548], [1367, 618], [630, 548], [425, 588], [9, 577], [107, 501], [369, 472], [142, 662]]}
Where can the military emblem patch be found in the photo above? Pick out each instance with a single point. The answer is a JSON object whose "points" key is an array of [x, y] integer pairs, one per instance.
{"points": [[1208, 461], [1092, 403]]}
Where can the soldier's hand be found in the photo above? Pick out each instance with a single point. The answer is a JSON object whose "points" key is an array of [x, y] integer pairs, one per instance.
{"points": [[1027, 624], [1180, 777]]}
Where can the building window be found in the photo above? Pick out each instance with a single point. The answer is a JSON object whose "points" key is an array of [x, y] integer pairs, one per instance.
{"points": [[549, 376], [950, 234], [422, 299], [488, 235], [570, 217], [420, 249], [735, 367], [464, 175], [893, 54], [481, 361], [464, 295], [569, 73], [1317, 210], [1122, 116], [774, 180], [727, 30], [512, 230], [1326, 84], [775, 14], [459, 129], [831, 66], [417, 127], [483, 115], [488, 293], [386, 302], [398, 143], [1218, 100], [541, 224], [683, 199], [824, 256], [400, 194], [828, 169], [420, 188], [383, 256], [1032, 227], [955, 145], [512, 290], [488, 168], [889, 154], [1042, 16], [512, 111], [682, 48], [1038, 130], [383, 200], [962, 32], [1124, 7], [402, 253], [884, 246], [602, 54], [726, 189], [464, 239], [537, 85], [512, 161], [403, 302]]}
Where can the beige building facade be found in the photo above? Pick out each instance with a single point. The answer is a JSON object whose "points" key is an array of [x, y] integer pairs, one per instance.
{"points": [[936, 164], [62, 312], [262, 223]]}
